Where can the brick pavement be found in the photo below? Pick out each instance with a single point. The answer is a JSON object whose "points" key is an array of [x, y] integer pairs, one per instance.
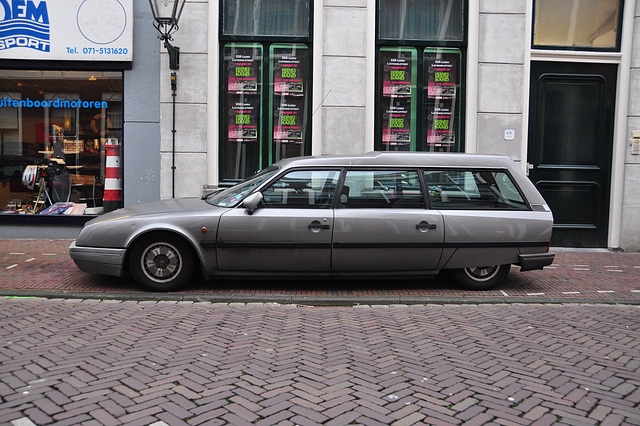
{"points": [[67, 361], [43, 268]]}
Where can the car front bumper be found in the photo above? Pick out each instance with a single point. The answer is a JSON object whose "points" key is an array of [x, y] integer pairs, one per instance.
{"points": [[97, 260]]}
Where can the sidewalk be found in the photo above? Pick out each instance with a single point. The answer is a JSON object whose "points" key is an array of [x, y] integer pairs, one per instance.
{"points": [[42, 268]]}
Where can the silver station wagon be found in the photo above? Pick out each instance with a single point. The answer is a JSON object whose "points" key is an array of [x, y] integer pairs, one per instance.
{"points": [[373, 215]]}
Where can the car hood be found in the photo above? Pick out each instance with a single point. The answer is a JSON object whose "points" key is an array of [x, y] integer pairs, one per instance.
{"points": [[157, 207]]}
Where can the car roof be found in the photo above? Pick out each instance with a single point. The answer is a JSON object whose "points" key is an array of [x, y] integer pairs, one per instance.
{"points": [[407, 159]]}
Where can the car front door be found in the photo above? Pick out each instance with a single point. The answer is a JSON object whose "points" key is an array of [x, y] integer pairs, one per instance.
{"points": [[381, 224], [289, 231]]}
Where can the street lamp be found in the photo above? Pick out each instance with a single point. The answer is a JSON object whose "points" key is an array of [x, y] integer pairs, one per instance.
{"points": [[166, 14]]}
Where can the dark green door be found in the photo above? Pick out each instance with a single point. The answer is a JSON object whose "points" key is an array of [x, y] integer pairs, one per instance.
{"points": [[570, 144]]}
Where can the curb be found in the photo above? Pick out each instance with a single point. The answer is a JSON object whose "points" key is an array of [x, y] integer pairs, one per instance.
{"points": [[311, 300]]}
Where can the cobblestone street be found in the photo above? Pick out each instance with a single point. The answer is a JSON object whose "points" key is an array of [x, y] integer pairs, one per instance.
{"points": [[69, 361], [44, 268]]}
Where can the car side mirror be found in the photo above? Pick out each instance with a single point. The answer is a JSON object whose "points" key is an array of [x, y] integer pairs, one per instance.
{"points": [[251, 202]]}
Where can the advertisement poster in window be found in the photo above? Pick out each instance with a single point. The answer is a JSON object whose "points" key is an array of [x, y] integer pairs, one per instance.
{"points": [[396, 123], [243, 120], [244, 71], [440, 124], [397, 106], [441, 95], [396, 79], [289, 76], [441, 68], [288, 121]]}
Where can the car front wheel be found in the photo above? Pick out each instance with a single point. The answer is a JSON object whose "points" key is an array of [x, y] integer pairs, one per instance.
{"points": [[161, 263], [481, 277]]}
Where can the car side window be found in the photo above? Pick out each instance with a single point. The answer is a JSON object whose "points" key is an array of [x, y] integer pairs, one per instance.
{"points": [[381, 189], [473, 190], [302, 189]]}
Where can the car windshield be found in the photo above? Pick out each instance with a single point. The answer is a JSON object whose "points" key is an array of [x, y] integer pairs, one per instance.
{"points": [[231, 197]]}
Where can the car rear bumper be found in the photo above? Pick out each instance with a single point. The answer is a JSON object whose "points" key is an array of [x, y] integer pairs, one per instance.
{"points": [[530, 262], [97, 260]]}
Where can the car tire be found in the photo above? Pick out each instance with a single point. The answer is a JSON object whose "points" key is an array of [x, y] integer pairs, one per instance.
{"points": [[162, 262], [481, 277]]}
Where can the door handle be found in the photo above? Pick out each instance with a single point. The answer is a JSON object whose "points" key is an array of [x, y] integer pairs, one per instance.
{"points": [[317, 225], [423, 226]]}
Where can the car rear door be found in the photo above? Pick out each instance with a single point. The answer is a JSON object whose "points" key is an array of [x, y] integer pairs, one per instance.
{"points": [[290, 230], [381, 224], [487, 219]]}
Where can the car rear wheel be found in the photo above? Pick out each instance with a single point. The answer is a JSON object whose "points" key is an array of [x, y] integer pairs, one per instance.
{"points": [[481, 277], [161, 263]]}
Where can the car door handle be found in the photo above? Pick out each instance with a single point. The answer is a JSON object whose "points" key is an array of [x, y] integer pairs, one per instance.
{"points": [[317, 225], [425, 225]]}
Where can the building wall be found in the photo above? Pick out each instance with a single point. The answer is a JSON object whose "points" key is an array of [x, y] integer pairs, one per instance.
{"points": [[630, 224], [501, 76], [344, 83], [141, 159], [498, 63], [191, 105]]}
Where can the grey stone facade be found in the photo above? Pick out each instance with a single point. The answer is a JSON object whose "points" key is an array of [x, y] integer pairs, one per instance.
{"points": [[343, 97]]}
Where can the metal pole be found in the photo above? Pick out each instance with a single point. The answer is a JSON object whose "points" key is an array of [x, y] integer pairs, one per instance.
{"points": [[173, 132]]}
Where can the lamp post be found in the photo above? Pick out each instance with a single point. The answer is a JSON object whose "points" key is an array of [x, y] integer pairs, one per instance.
{"points": [[166, 14]]}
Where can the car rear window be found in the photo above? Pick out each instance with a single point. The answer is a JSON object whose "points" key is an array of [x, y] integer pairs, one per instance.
{"points": [[473, 190]]}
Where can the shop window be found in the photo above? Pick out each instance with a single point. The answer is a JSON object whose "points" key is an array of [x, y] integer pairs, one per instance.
{"points": [[264, 123], [266, 84], [55, 127], [419, 99], [577, 24], [420, 75]]}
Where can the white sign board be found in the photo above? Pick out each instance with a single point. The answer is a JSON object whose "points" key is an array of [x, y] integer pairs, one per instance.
{"points": [[73, 30]]}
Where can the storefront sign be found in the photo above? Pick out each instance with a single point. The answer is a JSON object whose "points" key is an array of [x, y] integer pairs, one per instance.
{"points": [[75, 30]]}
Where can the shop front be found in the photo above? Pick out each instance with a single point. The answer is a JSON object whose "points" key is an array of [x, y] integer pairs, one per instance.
{"points": [[59, 131], [61, 106]]}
